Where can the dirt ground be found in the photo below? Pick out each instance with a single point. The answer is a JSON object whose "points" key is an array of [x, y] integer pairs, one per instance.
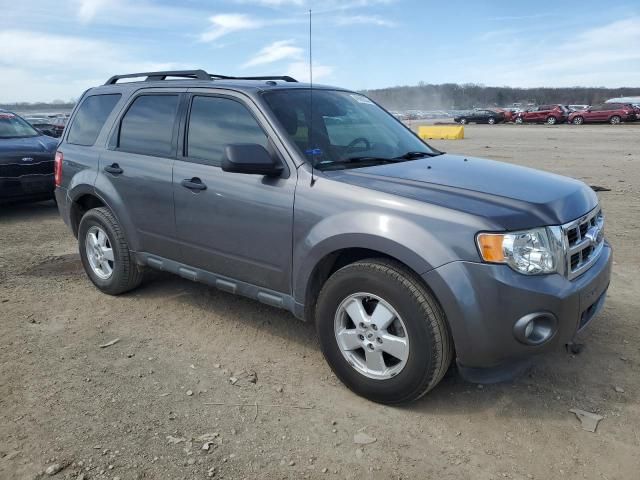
{"points": [[138, 409]]}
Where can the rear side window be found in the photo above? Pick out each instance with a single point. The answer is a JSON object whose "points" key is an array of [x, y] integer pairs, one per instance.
{"points": [[216, 122], [90, 118], [147, 127]]}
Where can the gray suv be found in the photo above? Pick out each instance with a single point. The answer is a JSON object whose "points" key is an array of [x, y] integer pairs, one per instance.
{"points": [[318, 201]]}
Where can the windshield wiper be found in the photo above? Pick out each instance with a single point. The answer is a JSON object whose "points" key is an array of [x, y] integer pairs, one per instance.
{"points": [[344, 162], [416, 155]]}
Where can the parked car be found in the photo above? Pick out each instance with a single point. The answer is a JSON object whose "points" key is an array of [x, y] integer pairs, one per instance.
{"points": [[58, 124], [613, 113], [549, 114], [402, 256], [43, 124], [480, 116], [508, 113], [26, 161]]}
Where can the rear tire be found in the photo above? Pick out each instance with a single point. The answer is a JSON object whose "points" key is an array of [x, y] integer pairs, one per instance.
{"points": [[110, 265], [491, 121], [519, 121], [551, 120], [615, 120], [418, 323], [463, 121]]}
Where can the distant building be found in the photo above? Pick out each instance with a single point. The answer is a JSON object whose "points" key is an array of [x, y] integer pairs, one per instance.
{"points": [[633, 100]]}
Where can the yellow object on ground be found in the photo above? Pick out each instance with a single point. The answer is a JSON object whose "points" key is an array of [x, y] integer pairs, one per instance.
{"points": [[441, 132]]}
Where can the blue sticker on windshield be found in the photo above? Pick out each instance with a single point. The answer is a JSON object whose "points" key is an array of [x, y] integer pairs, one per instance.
{"points": [[314, 152]]}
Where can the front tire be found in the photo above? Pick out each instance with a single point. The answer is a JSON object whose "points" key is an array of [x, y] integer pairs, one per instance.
{"points": [[105, 253], [519, 121], [578, 120], [491, 121], [382, 332], [463, 121], [615, 120], [551, 120]]}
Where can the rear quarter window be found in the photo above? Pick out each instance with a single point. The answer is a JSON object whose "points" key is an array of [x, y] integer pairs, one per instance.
{"points": [[90, 118]]}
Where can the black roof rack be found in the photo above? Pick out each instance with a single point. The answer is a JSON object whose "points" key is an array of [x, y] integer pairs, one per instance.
{"points": [[285, 78], [190, 74]]}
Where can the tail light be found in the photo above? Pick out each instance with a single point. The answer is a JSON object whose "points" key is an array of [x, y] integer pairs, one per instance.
{"points": [[57, 168]]}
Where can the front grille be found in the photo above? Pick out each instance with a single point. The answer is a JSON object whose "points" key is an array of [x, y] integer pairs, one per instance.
{"points": [[584, 239], [15, 167]]}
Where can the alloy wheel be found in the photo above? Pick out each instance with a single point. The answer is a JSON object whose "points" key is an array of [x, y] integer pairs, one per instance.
{"points": [[371, 336], [99, 252]]}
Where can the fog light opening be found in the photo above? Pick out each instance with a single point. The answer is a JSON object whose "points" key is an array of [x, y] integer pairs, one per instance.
{"points": [[535, 328]]}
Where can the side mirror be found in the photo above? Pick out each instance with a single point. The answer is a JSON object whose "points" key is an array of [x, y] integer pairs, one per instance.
{"points": [[250, 158]]}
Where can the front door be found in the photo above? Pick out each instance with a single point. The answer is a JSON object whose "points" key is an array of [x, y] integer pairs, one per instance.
{"points": [[232, 224]]}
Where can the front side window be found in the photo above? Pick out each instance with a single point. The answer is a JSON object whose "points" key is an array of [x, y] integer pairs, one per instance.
{"points": [[216, 122], [12, 126], [147, 127], [335, 129], [90, 118]]}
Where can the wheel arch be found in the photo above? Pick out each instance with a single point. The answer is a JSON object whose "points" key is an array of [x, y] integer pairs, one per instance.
{"points": [[81, 205], [83, 198], [334, 260]]}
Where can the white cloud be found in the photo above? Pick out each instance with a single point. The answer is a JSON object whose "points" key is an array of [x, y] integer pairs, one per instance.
{"points": [[300, 71], [32, 73], [364, 20], [280, 50], [607, 55], [226, 23], [87, 9], [275, 3]]}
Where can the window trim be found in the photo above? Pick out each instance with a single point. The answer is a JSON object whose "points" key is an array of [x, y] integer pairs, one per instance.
{"points": [[184, 133], [114, 141], [73, 118]]}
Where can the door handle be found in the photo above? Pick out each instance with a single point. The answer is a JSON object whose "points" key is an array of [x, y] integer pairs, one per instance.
{"points": [[113, 168], [193, 184]]}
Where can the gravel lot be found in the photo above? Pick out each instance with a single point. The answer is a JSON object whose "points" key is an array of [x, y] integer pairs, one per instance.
{"points": [[138, 409]]}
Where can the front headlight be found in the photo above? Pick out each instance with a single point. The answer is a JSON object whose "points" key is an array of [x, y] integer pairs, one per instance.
{"points": [[530, 252]]}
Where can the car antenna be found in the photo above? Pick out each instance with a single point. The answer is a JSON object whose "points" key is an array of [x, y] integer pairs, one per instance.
{"points": [[312, 149]]}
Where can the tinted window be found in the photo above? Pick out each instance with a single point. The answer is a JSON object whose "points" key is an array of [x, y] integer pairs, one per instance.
{"points": [[90, 118], [147, 127], [599, 108], [216, 122]]}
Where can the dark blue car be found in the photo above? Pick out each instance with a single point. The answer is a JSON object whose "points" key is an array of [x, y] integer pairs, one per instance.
{"points": [[26, 161]]}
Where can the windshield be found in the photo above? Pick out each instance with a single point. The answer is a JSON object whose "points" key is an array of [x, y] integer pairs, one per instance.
{"points": [[346, 129], [12, 126]]}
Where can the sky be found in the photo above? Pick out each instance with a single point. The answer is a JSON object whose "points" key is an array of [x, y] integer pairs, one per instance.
{"points": [[56, 49]]}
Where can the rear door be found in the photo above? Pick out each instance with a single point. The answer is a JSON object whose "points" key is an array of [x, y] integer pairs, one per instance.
{"points": [[233, 224], [136, 169]]}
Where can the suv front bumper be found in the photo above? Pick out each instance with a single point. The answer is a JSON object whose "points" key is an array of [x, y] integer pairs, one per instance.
{"points": [[483, 302]]}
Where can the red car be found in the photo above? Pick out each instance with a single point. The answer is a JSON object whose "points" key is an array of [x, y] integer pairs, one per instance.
{"points": [[550, 114], [612, 113]]}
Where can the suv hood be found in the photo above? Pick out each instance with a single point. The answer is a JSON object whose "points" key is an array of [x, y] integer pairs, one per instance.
{"points": [[16, 146], [510, 196]]}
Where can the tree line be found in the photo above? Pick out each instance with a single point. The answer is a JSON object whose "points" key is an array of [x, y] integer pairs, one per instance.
{"points": [[453, 96], [36, 106]]}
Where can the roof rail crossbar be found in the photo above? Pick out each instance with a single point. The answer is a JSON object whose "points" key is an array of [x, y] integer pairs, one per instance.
{"points": [[152, 76]]}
